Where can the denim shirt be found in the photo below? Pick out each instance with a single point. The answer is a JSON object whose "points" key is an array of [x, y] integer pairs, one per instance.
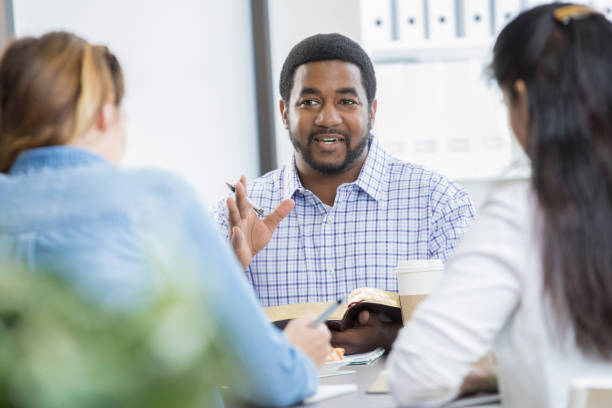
{"points": [[108, 230]]}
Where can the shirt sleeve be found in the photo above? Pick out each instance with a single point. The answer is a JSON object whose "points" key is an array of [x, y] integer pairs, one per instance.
{"points": [[220, 215], [452, 215], [273, 371], [455, 326]]}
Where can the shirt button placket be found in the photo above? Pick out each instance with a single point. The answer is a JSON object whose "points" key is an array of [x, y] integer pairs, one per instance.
{"points": [[329, 254], [310, 249]]}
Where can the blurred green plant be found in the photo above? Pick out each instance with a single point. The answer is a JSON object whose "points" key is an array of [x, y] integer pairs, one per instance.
{"points": [[60, 349]]}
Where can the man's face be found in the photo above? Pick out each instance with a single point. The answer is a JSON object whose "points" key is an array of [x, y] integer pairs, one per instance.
{"points": [[327, 116]]}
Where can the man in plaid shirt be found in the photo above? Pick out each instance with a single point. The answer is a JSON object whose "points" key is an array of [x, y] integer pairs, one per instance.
{"points": [[343, 212]]}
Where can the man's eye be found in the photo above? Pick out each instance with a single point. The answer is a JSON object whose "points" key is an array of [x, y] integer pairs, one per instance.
{"points": [[308, 102], [348, 102]]}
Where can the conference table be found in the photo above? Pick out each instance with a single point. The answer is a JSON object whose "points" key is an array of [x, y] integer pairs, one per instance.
{"points": [[363, 377]]}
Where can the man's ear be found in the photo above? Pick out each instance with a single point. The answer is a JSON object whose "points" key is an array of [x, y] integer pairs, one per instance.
{"points": [[284, 110], [373, 111]]}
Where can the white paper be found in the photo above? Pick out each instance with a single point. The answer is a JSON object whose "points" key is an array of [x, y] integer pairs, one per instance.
{"points": [[329, 391], [335, 373], [331, 367], [365, 358]]}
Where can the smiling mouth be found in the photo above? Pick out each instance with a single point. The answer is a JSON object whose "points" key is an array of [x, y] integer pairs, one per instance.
{"points": [[329, 140]]}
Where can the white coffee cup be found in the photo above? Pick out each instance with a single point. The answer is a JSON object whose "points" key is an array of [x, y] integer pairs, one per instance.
{"points": [[416, 279]]}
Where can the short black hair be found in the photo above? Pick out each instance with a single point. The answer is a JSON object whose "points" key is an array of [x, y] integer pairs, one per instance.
{"points": [[327, 47]]}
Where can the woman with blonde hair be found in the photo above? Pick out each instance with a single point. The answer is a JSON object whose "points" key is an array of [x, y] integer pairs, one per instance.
{"points": [[116, 235], [533, 277]]}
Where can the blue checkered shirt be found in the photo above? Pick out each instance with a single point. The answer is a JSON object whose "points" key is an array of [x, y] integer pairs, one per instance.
{"points": [[394, 211]]}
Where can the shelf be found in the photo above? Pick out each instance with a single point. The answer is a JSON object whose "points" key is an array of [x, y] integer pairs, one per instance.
{"points": [[430, 51]]}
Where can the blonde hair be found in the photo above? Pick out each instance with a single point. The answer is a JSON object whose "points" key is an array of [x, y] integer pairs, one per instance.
{"points": [[52, 89]]}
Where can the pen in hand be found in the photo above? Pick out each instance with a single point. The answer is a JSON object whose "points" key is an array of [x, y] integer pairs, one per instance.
{"points": [[326, 313], [256, 208]]}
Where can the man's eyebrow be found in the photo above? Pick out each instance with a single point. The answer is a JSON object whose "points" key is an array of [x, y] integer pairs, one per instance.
{"points": [[309, 91], [347, 91]]}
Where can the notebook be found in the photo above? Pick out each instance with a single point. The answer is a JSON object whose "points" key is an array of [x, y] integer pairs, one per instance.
{"points": [[365, 358]]}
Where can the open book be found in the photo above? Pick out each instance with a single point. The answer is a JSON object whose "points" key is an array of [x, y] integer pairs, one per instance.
{"points": [[376, 300]]}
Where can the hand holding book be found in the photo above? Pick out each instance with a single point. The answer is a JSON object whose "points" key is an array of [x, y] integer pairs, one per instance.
{"points": [[370, 331], [371, 319]]}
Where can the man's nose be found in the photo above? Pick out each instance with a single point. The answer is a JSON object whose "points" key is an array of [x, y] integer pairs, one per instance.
{"points": [[328, 116]]}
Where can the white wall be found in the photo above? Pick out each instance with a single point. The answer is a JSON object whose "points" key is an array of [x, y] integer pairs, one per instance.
{"points": [[189, 71]]}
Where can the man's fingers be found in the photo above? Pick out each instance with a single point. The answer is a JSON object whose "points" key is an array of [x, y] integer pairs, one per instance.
{"points": [[345, 339], [364, 317], [342, 337], [233, 213], [279, 214], [237, 238], [241, 200], [241, 248]]}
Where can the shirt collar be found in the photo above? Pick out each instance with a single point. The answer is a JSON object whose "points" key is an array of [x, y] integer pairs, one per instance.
{"points": [[54, 157], [291, 180], [373, 175], [371, 178]]}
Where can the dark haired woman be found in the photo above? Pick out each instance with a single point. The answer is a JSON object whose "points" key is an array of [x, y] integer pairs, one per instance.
{"points": [[533, 277], [66, 209]]}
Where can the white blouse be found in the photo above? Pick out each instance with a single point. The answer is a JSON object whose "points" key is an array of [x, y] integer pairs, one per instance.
{"points": [[491, 296]]}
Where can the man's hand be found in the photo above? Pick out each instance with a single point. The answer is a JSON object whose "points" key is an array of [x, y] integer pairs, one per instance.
{"points": [[369, 332], [249, 234], [314, 341]]}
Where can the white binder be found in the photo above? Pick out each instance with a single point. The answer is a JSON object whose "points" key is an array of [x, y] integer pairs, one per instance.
{"points": [[376, 23], [442, 20], [533, 3], [477, 19], [605, 6], [505, 11], [410, 21]]}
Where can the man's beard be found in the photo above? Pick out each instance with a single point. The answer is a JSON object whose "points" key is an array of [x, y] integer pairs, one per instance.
{"points": [[351, 154]]}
